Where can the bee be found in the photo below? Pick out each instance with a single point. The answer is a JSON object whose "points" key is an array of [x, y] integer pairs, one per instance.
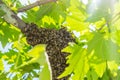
{"points": [[56, 40]]}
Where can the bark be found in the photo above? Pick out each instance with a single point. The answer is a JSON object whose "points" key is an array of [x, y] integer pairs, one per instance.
{"points": [[11, 17]]}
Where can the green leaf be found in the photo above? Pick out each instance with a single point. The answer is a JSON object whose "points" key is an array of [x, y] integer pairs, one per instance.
{"points": [[8, 33], [10, 53], [29, 68], [78, 63], [55, 11], [76, 24], [1, 54], [1, 65], [112, 66], [115, 36], [107, 75], [36, 51], [103, 48], [38, 55], [76, 16], [3, 76], [45, 74], [118, 75], [92, 75], [99, 68]]}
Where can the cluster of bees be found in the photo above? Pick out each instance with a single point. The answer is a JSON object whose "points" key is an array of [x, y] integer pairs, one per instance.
{"points": [[56, 40]]}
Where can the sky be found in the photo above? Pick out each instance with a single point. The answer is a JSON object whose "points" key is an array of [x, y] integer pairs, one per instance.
{"points": [[25, 2]]}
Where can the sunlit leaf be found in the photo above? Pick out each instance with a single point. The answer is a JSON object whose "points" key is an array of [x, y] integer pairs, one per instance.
{"points": [[3, 76], [100, 68], [112, 65], [103, 48], [78, 64], [118, 75], [107, 75], [39, 55], [92, 74], [38, 52], [1, 65], [8, 34]]}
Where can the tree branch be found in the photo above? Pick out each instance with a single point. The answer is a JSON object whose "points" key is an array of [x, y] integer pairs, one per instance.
{"points": [[37, 3], [11, 17]]}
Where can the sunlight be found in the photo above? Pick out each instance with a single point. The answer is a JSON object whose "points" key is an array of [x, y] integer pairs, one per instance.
{"points": [[97, 4], [85, 2], [93, 6]]}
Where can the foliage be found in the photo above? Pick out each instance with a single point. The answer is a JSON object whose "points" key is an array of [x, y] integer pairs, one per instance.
{"points": [[94, 56]]}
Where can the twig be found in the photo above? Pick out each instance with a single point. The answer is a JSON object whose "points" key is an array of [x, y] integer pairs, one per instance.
{"points": [[37, 3], [101, 27], [108, 26]]}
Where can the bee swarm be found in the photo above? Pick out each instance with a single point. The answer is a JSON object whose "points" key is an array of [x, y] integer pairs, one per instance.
{"points": [[56, 40]]}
